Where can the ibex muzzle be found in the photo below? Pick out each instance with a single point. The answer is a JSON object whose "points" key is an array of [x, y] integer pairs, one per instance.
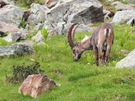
{"points": [[100, 42]]}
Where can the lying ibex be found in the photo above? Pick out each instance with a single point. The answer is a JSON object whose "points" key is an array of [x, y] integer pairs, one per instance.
{"points": [[100, 42]]}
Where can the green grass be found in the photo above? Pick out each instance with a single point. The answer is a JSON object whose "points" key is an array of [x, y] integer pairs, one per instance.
{"points": [[80, 81]]}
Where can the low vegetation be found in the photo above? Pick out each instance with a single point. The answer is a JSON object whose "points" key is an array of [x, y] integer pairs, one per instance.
{"points": [[27, 3], [80, 81]]}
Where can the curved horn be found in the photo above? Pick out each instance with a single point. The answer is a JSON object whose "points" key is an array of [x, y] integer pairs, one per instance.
{"points": [[71, 34]]}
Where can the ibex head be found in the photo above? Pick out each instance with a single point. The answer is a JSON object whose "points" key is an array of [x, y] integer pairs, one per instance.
{"points": [[77, 48]]}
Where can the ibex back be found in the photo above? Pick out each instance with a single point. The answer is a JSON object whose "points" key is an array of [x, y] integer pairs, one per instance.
{"points": [[100, 42]]}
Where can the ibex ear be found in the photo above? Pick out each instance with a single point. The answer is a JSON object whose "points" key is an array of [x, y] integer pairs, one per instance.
{"points": [[71, 34]]}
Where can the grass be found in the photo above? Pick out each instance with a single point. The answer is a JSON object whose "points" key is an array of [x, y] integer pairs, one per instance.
{"points": [[80, 81]]}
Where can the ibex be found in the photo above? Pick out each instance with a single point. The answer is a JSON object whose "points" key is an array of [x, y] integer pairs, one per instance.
{"points": [[100, 42]]}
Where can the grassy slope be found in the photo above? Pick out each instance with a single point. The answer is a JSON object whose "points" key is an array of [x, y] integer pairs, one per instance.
{"points": [[80, 81]]}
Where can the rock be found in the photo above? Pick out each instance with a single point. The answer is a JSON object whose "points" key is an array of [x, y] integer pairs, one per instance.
{"points": [[15, 49], [21, 34], [37, 16], [80, 28], [6, 27], [127, 62], [131, 21], [38, 26], [11, 14], [131, 1], [51, 3], [73, 11], [12, 2], [120, 6], [38, 38], [35, 85], [123, 16], [12, 37], [28, 43]]}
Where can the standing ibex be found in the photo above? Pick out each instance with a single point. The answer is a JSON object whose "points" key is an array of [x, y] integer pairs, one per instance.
{"points": [[100, 42]]}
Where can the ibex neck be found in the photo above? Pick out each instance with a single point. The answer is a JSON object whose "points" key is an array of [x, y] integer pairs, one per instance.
{"points": [[86, 45]]}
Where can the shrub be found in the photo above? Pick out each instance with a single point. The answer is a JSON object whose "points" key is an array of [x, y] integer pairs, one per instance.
{"points": [[29, 2], [21, 72]]}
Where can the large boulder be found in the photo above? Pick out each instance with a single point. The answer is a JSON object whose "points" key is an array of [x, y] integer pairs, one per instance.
{"points": [[15, 49], [21, 34], [35, 85], [37, 15], [127, 62], [120, 6], [11, 14], [73, 11], [123, 16], [38, 38], [6, 27], [12, 37]]}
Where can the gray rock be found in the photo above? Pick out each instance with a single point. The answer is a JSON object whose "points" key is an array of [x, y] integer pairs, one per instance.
{"points": [[21, 34], [73, 11], [10, 1], [38, 38], [39, 26], [123, 16], [11, 14], [127, 62], [80, 28], [120, 6], [131, 21], [12, 37], [15, 49], [6, 27], [37, 16], [28, 43]]}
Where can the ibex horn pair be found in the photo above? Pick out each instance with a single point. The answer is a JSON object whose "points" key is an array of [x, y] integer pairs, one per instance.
{"points": [[100, 42]]}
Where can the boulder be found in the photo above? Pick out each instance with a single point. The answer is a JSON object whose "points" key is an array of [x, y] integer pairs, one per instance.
{"points": [[11, 14], [51, 3], [37, 15], [12, 37], [128, 61], [35, 85], [15, 49], [131, 21], [123, 16], [28, 43], [38, 38], [120, 6], [6, 27], [73, 11], [21, 34]]}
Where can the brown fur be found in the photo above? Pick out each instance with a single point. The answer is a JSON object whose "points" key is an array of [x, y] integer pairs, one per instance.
{"points": [[100, 42]]}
